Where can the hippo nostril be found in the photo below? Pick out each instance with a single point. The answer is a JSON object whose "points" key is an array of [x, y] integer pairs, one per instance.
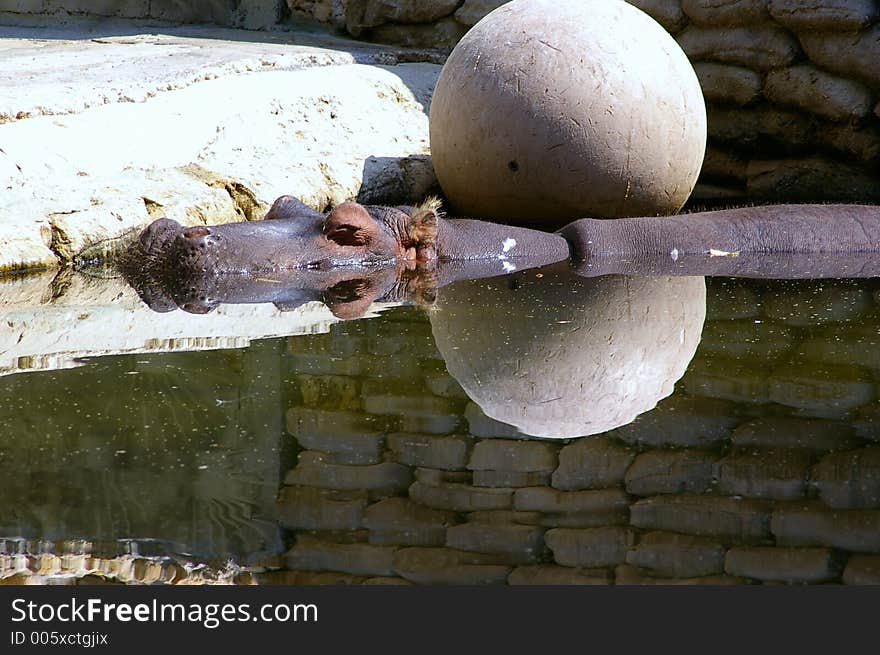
{"points": [[196, 232]]}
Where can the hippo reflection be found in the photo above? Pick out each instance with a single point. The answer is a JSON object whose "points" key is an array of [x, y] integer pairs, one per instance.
{"points": [[559, 355]]}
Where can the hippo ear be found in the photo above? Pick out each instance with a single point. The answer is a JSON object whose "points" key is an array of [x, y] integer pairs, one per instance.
{"points": [[291, 208], [349, 224]]}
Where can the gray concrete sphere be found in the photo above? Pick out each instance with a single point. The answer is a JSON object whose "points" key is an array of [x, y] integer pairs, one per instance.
{"points": [[565, 356], [550, 110]]}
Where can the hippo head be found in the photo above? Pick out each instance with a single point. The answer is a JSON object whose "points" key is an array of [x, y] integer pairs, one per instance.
{"points": [[292, 236]]}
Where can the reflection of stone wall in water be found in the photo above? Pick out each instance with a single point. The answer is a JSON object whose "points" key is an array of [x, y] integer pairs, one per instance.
{"points": [[757, 469], [183, 459], [792, 85]]}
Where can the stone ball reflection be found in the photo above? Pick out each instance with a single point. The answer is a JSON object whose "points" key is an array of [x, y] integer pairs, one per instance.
{"points": [[558, 355]]}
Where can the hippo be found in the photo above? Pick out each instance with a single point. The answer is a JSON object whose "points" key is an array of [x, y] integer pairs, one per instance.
{"points": [[355, 253]]}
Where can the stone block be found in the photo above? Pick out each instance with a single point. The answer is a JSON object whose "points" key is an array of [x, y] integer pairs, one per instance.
{"points": [[849, 480], [399, 521], [316, 423], [310, 508], [824, 15], [726, 164], [311, 554], [867, 422], [345, 448], [730, 520], [845, 53], [774, 474], [666, 12], [550, 574], [445, 386], [628, 575], [313, 470], [444, 33], [449, 566], [460, 497], [513, 455], [585, 519], [783, 564], [473, 11], [756, 129], [671, 555], [862, 570], [376, 402], [480, 425], [439, 452], [681, 421], [590, 547], [828, 391], [726, 378], [818, 92], [859, 141], [519, 544], [439, 424], [592, 463], [814, 435], [387, 581], [553, 501], [747, 339], [728, 13], [511, 479], [812, 179], [331, 392], [852, 344], [730, 299], [306, 578], [729, 84], [759, 47], [811, 524], [670, 471]]}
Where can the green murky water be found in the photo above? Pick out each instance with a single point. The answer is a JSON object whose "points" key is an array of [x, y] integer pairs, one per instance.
{"points": [[442, 445]]}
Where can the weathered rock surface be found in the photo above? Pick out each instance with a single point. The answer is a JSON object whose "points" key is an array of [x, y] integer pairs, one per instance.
{"points": [[473, 10], [811, 524], [728, 84], [311, 120], [846, 53], [783, 564], [593, 463], [591, 547], [670, 471], [815, 91], [849, 479], [732, 13], [726, 518], [834, 15], [671, 555], [759, 47]]}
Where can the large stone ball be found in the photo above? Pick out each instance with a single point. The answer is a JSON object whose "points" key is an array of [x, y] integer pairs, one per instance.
{"points": [[549, 110]]}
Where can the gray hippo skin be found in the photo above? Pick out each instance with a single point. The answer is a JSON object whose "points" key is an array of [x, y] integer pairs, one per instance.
{"points": [[356, 253], [294, 236]]}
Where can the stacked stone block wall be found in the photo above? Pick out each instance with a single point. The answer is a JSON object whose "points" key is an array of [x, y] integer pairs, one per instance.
{"points": [[792, 86]]}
